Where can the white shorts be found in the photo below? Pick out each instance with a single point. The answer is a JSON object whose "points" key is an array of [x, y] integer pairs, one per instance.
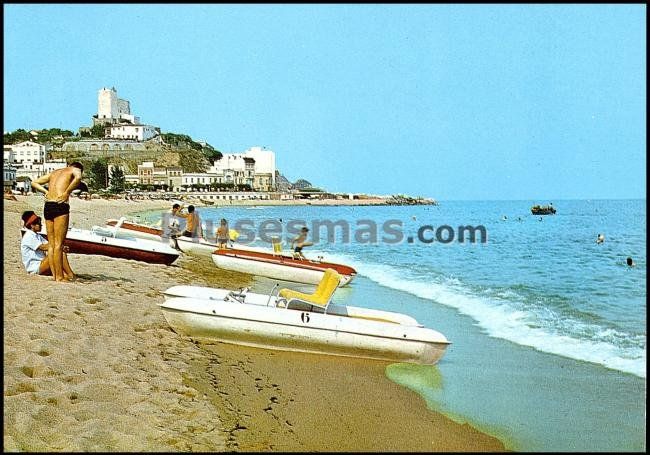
{"points": [[34, 267]]}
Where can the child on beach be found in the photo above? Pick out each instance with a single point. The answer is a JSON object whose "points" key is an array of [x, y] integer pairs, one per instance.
{"points": [[300, 242], [223, 233], [34, 247]]}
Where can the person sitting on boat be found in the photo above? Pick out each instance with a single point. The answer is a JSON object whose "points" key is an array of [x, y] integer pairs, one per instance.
{"points": [[300, 241], [34, 247], [223, 234], [193, 224]]}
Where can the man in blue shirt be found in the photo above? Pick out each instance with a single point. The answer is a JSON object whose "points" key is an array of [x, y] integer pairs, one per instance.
{"points": [[34, 247]]}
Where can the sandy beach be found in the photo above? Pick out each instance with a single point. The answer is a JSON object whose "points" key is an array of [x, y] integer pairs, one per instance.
{"points": [[93, 366]]}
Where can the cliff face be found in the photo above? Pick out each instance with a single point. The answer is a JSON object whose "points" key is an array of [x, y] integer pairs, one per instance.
{"points": [[189, 160], [131, 154]]}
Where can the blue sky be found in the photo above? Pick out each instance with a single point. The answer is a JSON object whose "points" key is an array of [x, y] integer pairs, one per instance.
{"points": [[542, 102]]}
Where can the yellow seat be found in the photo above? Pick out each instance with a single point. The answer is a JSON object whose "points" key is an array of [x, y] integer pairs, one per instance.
{"points": [[321, 296], [277, 246]]}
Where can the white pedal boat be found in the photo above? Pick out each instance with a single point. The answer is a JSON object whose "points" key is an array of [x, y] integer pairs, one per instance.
{"points": [[200, 246], [126, 228], [279, 267], [102, 242], [293, 321]]}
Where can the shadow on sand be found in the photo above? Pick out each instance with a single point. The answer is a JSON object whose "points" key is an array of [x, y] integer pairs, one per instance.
{"points": [[83, 278]]}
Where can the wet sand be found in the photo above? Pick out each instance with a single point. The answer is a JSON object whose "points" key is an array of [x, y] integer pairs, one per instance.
{"points": [[92, 365]]}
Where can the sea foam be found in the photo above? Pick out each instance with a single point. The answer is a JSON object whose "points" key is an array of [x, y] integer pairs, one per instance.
{"points": [[511, 319]]}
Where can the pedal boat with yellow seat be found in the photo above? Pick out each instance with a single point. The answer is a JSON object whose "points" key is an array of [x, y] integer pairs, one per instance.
{"points": [[294, 321], [279, 266]]}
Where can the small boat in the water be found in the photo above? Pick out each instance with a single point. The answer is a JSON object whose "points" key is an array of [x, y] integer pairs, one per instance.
{"points": [[295, 321], [99, 241], [280, 267], [543, 209]]}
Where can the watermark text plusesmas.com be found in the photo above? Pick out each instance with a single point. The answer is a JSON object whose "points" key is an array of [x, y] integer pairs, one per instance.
{"points": [[363, 231]]}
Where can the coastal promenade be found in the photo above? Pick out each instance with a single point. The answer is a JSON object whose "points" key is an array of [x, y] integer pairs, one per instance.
{"points": [[217, 200], [93, 366]]}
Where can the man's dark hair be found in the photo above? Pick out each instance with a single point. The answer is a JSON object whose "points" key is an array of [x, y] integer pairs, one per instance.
{"points": [[190, 208], [176, 206], [77, 164]]}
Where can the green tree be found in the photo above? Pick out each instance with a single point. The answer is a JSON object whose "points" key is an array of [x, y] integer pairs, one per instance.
{"points": [[20, 135], [117, 180], [98, 174], [212, 154], [97, 130], [183, 141]]}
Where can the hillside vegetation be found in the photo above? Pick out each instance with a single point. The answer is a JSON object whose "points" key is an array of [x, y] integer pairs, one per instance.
{"points": [[176, 150]]}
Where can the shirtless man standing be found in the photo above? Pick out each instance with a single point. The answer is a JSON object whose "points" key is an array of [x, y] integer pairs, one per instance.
{"points": [[193, 224], [57, 210]]}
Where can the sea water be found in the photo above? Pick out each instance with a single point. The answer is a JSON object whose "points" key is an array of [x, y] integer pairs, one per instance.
{"points": [[548, 327]]}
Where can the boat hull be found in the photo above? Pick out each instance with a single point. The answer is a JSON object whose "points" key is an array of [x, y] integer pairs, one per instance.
{"points": [[302, 331], [206, 293], [199, 247], [186, 244], [278, 267], [81, 241]]}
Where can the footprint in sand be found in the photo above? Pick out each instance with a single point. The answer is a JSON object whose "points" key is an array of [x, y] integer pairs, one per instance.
{"points": [[18, 388]]}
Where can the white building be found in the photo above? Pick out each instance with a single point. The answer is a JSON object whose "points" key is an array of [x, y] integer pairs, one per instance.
{"points": [[131, 179], [26, 152], [116, 114], [234, 168], [53, 165], [111, 109], [264, 161], [255, 167], [33, 170], [127, 131], [8, 154], [196, 178]]}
